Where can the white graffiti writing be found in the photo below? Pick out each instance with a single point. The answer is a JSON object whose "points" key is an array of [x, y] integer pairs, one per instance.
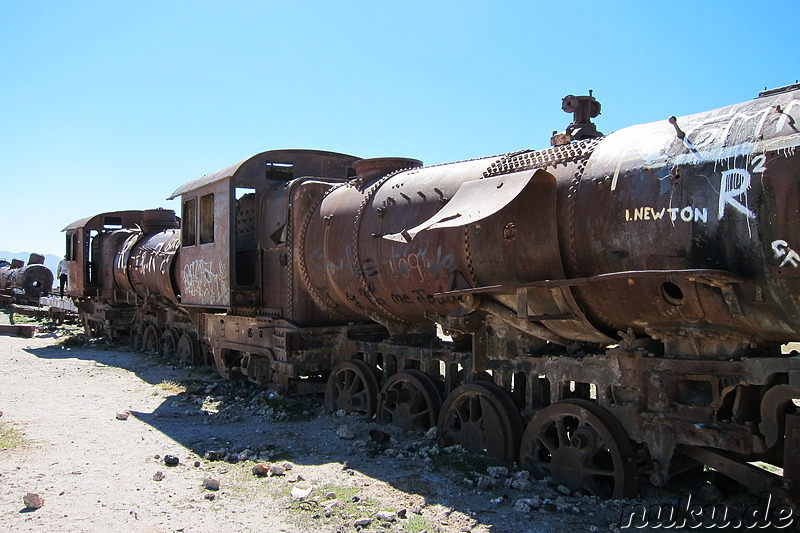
{"points": [[420, 265], [739, 127], [734, 184], [686, 214], [782, 251], [202, 281]]}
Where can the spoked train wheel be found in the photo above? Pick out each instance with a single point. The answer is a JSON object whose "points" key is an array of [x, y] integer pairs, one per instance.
{"points": [[352, 386], [188, 349], [410, 400], [169, 342], [151, 339], [582, 447], [481, 416]]}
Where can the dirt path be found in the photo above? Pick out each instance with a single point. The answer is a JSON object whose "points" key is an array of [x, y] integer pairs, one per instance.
{"points": [[96, 473]]}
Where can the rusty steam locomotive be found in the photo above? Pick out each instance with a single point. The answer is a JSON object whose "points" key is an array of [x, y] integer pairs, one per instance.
{"points": [[607, 311], [24, 284]]}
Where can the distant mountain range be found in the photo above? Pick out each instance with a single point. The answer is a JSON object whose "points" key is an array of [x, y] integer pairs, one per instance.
{"points": [[50, 260]]}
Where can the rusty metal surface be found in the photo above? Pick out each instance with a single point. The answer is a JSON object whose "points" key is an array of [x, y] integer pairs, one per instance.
{"points": [[26, 284], [150, 265], [86, 279], [481, 417], [360, 274], [712, 190], [581, 446], [473, 201], [228, 271], [409, 400], [757, 479], [19, 330], [304, 162]]}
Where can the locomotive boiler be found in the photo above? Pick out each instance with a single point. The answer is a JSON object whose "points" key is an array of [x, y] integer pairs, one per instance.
{"points": [[25, 284], [608, 311]]}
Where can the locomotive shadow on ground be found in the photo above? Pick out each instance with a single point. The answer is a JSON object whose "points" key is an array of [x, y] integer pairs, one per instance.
{"points": [[179, 417]]}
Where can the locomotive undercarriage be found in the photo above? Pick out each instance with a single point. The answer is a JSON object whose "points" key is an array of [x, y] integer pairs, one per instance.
{"points": [[149, 326], [597, 421], [101, 320]]}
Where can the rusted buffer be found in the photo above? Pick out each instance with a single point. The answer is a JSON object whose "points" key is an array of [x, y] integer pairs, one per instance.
{"points": [[615, 308]]}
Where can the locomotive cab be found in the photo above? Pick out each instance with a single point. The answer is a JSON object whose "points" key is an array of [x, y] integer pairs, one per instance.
{"points": [[91, 244], [233, 233], [237, 275]]}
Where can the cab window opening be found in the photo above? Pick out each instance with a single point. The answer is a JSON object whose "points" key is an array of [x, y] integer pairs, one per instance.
{"points": [[189, 232], [207, 219]]}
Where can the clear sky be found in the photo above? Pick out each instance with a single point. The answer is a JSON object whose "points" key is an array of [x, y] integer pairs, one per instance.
{"points": [[109, 105]]}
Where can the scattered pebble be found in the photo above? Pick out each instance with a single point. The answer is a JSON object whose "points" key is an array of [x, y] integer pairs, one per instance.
{"points": [[344, 433], [362, 522], [211, 484], [485, 482], [261, 469], [378, 436], [215, 455], [123, 415], [171, 460], [521, 484], [158, 476], [32, 501], [497, 471], [386, 516]]}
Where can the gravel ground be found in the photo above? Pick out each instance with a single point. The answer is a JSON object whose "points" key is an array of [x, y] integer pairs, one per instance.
{"points": [[97, 472]]}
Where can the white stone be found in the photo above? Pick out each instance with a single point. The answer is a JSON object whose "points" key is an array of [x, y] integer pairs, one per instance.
{"points": [[301, 490], [344, 433], [497, 471]]}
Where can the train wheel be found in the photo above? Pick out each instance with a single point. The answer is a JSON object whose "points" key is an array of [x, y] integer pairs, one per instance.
{"points": [[228, 363], [136, 341], [169, 342], [581, 446], [352, 386], [188, 349], [93, 328], [410, 400], [481, 416], [150, 339]]}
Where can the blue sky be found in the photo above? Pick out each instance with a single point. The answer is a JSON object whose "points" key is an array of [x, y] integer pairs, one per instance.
{"points": [[108, 105]]}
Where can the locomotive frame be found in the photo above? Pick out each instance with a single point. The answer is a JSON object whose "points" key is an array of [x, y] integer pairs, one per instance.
{"points": [[610, 310]]}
